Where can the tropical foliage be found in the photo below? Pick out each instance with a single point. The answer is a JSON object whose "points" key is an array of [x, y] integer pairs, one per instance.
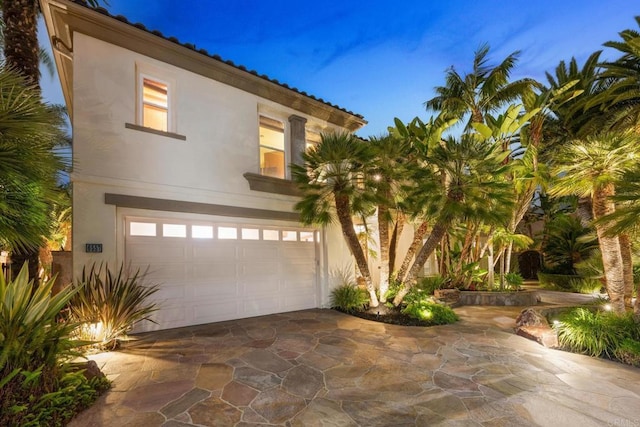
{"points": [[38, 386], [109, 303], [597, 333], [459, 193], [348, 297], [29, 134]]}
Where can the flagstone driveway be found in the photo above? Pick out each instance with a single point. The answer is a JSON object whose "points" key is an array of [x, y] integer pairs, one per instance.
{"points": [[323, 368]]}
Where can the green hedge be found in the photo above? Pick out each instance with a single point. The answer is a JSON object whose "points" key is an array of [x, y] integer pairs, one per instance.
{"points": [[557, 281], [568, 283]]}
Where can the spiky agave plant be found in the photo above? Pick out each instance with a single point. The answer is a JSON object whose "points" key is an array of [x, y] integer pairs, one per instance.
{"points": [[110, 303]]}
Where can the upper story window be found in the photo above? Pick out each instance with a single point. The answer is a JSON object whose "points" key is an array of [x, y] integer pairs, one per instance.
{"points": [[272, 156], [154, 107]]}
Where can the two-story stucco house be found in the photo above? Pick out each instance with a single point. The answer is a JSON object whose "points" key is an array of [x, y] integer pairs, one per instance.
{"points": [[180, 164]]}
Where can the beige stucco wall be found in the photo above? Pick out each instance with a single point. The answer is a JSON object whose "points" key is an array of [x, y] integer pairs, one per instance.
{"points": [[221, 128]]}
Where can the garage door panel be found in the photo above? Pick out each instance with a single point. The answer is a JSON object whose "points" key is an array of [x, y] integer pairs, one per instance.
{"points": [[153, 252], [212, 279], [302, 285], [215, 312], [295, 268], [213, 251], [168, 272], [261, 305], [221, 271], [215, 290], [167, 294], [266, 286], [170, 315], [297, 251], [298, 302], [258, 269], [263, 252]]}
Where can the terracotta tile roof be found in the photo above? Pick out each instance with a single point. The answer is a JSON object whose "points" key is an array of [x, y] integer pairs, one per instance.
{"points": [[191, 46]]}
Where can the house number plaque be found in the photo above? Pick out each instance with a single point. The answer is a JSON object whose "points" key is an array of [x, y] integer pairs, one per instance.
{"points": [[93, 248]]}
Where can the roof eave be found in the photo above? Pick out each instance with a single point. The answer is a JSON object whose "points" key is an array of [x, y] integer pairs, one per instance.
{"points": [[63, 18]]}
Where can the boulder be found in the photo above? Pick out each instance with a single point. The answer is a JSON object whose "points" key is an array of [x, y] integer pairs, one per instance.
{"points": [[92, 370], [531, 317], [541, 334]]}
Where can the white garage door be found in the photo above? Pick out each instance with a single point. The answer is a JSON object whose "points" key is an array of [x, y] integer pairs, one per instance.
{"points": [[214, 271]]}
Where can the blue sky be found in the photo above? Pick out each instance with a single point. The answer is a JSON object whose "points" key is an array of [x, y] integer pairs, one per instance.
{"points": [[380, 58]]}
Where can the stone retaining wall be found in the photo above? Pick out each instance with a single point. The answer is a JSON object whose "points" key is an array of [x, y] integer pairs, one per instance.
{"points": [[522, 298]]}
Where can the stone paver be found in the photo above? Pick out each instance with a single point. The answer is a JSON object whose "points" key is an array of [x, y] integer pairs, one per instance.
{"points": [[323, 368]]}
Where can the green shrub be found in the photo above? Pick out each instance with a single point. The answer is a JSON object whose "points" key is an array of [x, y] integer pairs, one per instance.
{"points": [[35, 348], [109, 304], [430, 312], [349, 298], [73, 394], [629, 352], [595, 333], [561, 282], [513, 281], [585, 285], [567, 243], [394, 288], [430, 283]]}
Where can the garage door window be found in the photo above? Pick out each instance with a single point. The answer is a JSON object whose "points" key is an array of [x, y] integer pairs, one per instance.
{"points": [[202, 231], [270, 234], [250, 234], [142, 229], [227, 233], [174, 230], [306, 236], [289, 236]]}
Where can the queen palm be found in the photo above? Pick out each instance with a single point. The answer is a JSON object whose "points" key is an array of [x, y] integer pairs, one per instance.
{"points": [[332, 181], [484, 90], [592, 167]]}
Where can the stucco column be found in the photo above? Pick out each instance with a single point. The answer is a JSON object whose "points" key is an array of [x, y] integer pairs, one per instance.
{"points": [[298, 138]]}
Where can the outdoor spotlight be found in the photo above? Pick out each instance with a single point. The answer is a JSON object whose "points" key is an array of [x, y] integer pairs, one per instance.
{"points": [[607, 307]]}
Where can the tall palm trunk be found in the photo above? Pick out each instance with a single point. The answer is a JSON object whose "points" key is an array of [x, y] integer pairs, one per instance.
{"points": [[21, 52], [418, 235], [346, 221], [627, 267], [610, 247], [437, 233], [383, 234], [393, 244], [465, 253], [21, 49]]}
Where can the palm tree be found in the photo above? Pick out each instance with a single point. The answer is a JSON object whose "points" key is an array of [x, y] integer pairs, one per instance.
{"points": [[20, 37], [391, 157], [23, 54], [577, 115], [461, 179], [486, 89], [332, 181], [567, 243], [623, 96], [624, 222], [592, 167], [29, 131]]}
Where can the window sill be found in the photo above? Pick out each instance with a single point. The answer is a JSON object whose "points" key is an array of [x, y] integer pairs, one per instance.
{"points": [[269, 184], [155, 131]]}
